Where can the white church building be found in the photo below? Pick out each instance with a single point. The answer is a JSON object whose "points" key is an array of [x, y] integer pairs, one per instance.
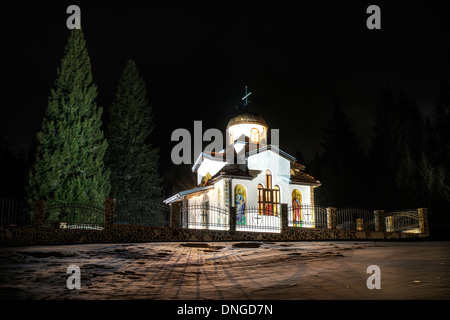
{"points": [[251, 175]]}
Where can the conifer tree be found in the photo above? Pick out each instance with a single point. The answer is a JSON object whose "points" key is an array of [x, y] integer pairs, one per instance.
{"points": [[69, 166], [132, 159]]}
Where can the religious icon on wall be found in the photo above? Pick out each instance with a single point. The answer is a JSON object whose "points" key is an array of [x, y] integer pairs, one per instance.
{"points": [[297, 208], [206, 178], [240, 200]]}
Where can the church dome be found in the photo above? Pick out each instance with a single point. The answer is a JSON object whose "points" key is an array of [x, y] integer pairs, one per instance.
{"points": [[247, 118]]}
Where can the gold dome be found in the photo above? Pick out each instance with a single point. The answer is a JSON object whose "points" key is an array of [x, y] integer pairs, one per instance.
{"points": [[247, 118]]}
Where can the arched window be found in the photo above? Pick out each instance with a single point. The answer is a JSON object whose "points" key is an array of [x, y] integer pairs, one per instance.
{"points": [[260, 199], [268, 180], [254, 135], [276, 200]]}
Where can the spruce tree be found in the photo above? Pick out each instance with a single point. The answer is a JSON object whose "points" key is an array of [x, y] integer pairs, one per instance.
{"points": [[132, 158], [69, 166]]}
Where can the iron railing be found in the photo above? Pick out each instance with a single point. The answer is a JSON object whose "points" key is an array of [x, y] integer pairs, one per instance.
{"points": [[210, 217], [144, 213], [255, 220], [308, 216], [73, 216], [204, 216], [402, 221], [350, 218], [13, 212]]}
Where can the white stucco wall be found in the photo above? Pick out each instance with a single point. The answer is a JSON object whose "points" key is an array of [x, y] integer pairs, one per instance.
{"points": [[281, 172], [217, 219]]}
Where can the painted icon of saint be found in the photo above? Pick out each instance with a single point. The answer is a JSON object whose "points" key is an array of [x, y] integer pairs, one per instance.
{"points": [[296, 208], [240, 205]]}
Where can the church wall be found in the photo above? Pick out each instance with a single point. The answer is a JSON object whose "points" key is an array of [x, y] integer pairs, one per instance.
{"points": [[281, 173], [234, 132], [305, 192]]}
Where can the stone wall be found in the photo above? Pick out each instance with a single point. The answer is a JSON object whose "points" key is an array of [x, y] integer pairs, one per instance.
{"points": [[113, 233]]}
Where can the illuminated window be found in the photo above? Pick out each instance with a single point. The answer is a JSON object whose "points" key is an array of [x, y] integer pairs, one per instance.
{"points": [[260, 199], [276, 199], [254, 135], [268, 199], [268, 180]]}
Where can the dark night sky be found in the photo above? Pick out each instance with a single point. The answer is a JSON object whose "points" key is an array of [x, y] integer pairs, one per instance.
{"points": [[196, 60]]}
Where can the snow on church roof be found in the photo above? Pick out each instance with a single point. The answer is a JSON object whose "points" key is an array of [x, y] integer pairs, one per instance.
{"points": [[222, 155], [247, 117], [180, 195]]}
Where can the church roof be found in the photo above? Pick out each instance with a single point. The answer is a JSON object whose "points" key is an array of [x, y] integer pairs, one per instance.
{"points": [[248, 151], [300, 177], [188, 193], [247, 117], [230, 171]]}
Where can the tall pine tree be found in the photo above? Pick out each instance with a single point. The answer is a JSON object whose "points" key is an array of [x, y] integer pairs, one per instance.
{"points": [[131, 157], [69, 166]]}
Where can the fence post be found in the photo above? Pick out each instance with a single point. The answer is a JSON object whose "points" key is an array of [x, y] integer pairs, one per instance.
{"points": [[389, 223], [175, 214], [232, 218], [423, 221], [331, 217], [284, 217], [359, 224], [379, 220], [38, 217], [109, 213]]}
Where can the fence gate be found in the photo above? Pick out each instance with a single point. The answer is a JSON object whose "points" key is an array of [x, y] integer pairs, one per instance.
{"points": [[403, 221]]}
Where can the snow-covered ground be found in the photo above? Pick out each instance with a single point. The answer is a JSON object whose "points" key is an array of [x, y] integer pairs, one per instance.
{"points": [[228, 270]]}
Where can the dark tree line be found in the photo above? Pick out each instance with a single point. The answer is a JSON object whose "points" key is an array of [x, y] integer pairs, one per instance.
{"points": [[407, 165]]}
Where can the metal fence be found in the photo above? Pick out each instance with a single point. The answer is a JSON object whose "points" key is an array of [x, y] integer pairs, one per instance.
{"points": [[143, 213], [73, 216], [308, 216], [355, 219], [13, 212], [256, 220], [402, 221], [204, 216], [210, 217]]}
